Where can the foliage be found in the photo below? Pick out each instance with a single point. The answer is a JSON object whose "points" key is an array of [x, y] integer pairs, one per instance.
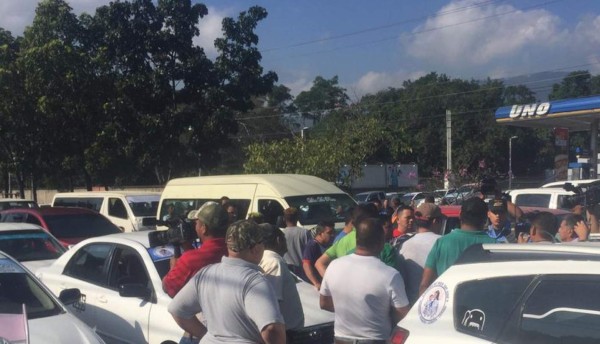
{"points": [[323, 97], [126, 93], [350, 143]]}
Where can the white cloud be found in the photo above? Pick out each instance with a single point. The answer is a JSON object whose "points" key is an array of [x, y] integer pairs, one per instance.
{"points": [[505, 32], [372, 82], [210, 29], [16, 15]]}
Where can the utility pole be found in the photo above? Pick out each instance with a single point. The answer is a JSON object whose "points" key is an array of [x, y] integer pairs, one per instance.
{"points": [[448, 149], [510, 173]]}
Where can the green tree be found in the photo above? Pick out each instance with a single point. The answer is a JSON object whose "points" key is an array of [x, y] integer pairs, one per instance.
{"points": [[323, 97], [575, 84]]}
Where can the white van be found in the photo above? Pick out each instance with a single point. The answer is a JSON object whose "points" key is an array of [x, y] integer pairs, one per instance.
{"points": [[553, 198], [268, 194], [129, 210]]}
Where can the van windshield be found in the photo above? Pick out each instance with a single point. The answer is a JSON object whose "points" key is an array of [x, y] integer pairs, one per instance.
{"points": [[316, 208], [146, 205]]}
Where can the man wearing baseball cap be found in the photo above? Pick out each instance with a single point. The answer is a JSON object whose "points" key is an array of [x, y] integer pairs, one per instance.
{"points": [[237, 301], [499, 226], [429, 222], [210, 223]]}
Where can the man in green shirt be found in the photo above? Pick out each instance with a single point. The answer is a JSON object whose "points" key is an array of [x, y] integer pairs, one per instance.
{"points": [[347, 244], [447, 249]]}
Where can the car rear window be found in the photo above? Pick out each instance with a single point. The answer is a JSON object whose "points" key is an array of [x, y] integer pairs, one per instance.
{"points": [[80, 225], [533, 200], [482, 307]]}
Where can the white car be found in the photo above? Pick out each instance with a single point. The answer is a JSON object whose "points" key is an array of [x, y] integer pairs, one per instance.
{"points": [[511, 293], [30, 244], [120, 278], [45, 319]]}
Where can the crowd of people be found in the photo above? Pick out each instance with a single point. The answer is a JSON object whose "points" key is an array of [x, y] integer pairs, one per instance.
{"points": [[241, 277]]}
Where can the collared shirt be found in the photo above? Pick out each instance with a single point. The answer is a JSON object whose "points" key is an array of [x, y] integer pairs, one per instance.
{"points": [[498, 233], [191, 261]]}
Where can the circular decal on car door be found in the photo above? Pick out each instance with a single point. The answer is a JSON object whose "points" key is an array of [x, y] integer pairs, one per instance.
{"points": [[433, 303]]}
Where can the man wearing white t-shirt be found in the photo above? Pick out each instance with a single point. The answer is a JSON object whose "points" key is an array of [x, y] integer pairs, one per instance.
{"points": [[367, 296], [413, 253]]}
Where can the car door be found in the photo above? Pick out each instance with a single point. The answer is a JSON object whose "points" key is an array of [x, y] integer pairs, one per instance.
{"points": [[125, 319], [86, 271]]}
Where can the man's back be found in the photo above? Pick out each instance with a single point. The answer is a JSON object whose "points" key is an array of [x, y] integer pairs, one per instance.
{"points": [[413, 256], [284, 285], [448, 248], [296, 239], [363, 290], [237, 301]]}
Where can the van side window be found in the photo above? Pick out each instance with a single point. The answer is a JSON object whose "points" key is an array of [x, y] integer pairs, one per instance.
{"points": [[271, 210], [116, 208]]}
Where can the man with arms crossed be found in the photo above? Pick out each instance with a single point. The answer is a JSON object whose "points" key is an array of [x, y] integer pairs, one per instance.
{"points": [[237, 301], [367, 296]]}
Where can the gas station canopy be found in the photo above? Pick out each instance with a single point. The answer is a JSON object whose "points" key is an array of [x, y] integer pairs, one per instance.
{"points": [[575, 114]]}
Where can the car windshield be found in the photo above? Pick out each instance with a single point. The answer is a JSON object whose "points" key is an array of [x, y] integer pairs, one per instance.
{"points": [[80, 225], [144, 205], [30, 245], [17, 204], [361, 197], [439, 193], [316, 208], [407, 198], [18, 288]]}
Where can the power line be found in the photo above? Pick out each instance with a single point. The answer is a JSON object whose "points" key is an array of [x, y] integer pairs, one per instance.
{"points": [[447, 94], [390, 38], [377, 28]]}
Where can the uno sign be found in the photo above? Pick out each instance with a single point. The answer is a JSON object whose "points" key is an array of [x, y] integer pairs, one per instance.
{"points": [[530, 110]]}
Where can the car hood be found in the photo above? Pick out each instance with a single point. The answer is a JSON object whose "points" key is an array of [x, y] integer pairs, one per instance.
{"points": [[62, 328], [313, 314]]}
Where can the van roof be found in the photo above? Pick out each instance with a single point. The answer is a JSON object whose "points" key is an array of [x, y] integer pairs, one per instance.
{"points": [[546, 191], [285, 184], [582, 182], [106, 193]]}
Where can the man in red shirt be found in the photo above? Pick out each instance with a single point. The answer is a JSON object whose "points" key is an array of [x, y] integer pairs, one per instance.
{"points": [[211, 226]]}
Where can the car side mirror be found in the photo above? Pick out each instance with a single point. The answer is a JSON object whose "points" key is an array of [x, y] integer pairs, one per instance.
{"points": [[133, 290], [69, 296]]}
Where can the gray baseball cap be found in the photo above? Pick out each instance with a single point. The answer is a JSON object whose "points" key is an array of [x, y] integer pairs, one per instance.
{"points": [[211, 214], [243, 234]]}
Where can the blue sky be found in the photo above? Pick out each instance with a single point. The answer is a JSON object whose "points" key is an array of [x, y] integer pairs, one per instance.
{"points": [[372, 45]]}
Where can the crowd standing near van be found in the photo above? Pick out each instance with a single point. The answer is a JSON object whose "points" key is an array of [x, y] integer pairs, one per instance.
{"points": [[368, 274]]}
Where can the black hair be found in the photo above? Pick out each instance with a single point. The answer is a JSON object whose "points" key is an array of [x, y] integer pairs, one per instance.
{"points": [[363, 211], [546, 222], [369, 233], [320, 228], [473, 212]]}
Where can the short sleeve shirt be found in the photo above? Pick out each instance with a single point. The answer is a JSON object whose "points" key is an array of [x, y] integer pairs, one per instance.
{"points": [[363, 317], [191, 261], [448, 248], [347, 245], [312, 252], [236, 313]]}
